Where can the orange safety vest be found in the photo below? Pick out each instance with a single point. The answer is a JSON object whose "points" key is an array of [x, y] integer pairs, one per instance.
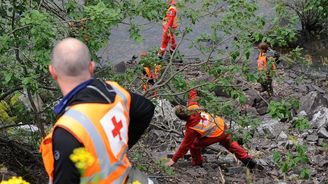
{"points": [[262, 62], [209, 126], [103, 130], [167, 17], [148, 72]]}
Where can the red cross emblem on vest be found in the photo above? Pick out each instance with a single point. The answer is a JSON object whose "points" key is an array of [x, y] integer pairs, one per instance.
{"points": [[117, 127]]}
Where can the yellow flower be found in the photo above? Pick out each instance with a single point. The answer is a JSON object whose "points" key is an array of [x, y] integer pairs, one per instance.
{"points": [[82, 159], [136, 182], [15, 180]]}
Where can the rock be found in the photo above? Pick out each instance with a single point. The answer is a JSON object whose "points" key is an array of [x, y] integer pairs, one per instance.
{"points": [[323, 132], [247, 109], [324, 163], [272, 128], [226, 160], [301, 88], [236, 170], [192, 172], [262, 162], [201, 171], [120, 67], [290, 81], [317, 88], [312, 138], [302, 113], [312, 101], [252, 97], [320, 118], [283, 135], [262, 110], [220, 92], [307, 81], [292, 75]]}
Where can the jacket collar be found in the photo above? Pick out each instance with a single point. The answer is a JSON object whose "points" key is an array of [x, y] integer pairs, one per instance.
{"points": [[63, 103]]}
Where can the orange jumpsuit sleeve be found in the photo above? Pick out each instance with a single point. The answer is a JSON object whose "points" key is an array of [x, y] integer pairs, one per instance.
{"points": [[192, 100]]}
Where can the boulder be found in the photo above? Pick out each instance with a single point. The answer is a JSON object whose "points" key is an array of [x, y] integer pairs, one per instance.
{"points": [[317, 88], [320, 118], [312, 101], [312, 138], [262, 107], [120, 67], [320, 121], [301, 88], [252, 97], [219, 91], [272, 128], [283, 136], [323, 132]]}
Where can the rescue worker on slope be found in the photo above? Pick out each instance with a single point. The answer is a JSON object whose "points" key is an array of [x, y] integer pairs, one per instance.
{"points": [[100, 116], [170, 24], [203, 130], [151, 70], [266, 66]]}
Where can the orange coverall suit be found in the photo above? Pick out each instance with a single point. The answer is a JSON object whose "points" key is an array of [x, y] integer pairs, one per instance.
{"points": [[169, 22], [195, 142]]}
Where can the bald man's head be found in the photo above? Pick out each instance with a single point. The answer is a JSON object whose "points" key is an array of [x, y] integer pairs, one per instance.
{"points": [[71, 58]]}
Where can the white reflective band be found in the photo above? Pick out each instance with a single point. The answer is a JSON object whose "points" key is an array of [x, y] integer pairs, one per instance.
{"points": [[106, 167], [121, 94]]}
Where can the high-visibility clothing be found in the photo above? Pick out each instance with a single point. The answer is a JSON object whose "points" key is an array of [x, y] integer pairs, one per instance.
{"points": [[103, 130], [166, 38], [262, 62], [151, 75], [209, 126], [171, 20], [148, 72]]}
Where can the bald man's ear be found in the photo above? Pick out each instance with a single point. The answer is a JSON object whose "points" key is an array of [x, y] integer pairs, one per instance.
{"points": [[52, 72], [92, 67]]}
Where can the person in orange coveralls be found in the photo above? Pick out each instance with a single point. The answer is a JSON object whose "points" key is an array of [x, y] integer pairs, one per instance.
{"points": [[202, 130], [266, 57], [170, 23]]}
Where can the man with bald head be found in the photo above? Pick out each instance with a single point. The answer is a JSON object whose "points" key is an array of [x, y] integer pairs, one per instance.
{"points": [[100, 116]]}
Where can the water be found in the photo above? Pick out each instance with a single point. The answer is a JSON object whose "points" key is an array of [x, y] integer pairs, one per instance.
{"points": [[122, 48]]}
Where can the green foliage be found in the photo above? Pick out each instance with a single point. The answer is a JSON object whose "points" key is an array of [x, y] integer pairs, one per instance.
{"points": [[168, 170], [301, 123], [291, 160], [283, 108], [313, 14]]}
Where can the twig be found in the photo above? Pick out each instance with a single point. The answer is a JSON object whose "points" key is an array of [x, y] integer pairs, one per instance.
{"points": [[221, 176]]}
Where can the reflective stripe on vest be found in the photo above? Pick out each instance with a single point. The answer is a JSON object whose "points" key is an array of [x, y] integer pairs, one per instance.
{"points": [[210, 127], [122, 95], [106, 169]]}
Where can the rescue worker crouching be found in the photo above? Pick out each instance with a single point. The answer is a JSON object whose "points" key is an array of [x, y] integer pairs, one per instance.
{"points": [[100, 116], [151, 69], [202, 130], [170, 24], [266, 63]]}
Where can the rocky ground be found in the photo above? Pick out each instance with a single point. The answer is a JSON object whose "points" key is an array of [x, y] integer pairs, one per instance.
{"points": [[271, 137]]}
